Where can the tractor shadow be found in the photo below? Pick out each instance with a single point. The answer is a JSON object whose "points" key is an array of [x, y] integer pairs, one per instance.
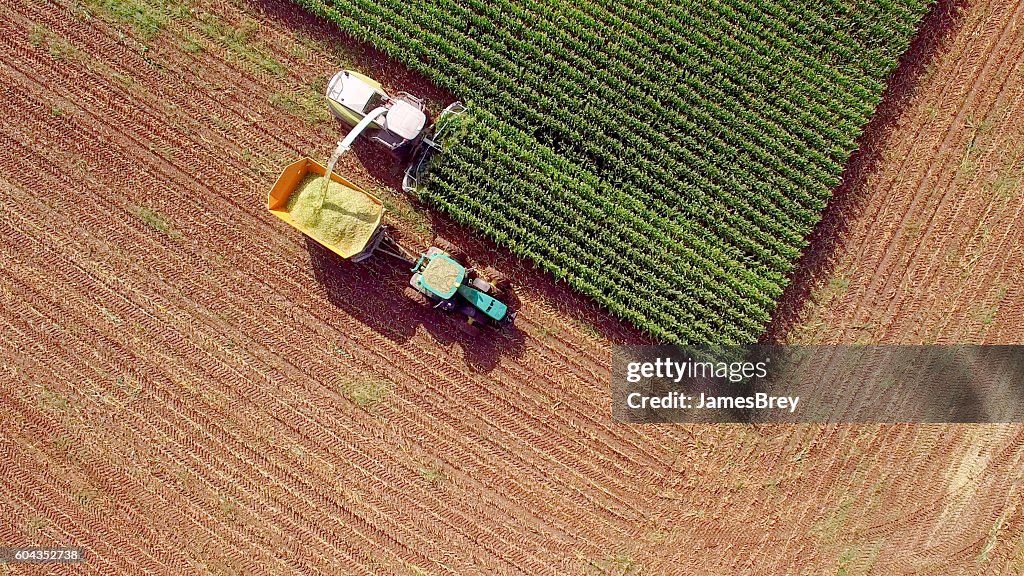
{"points": [[849, 198], [372, 292]]}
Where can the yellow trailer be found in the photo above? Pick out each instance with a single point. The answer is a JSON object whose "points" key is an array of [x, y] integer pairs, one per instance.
{"points": [[344, 218]]}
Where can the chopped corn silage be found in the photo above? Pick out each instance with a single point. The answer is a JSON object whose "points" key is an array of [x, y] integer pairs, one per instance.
{"points": [[442, 275], [345, 220]]}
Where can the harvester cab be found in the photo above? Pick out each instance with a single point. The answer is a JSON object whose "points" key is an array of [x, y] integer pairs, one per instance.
{"points": [[396, 123]]}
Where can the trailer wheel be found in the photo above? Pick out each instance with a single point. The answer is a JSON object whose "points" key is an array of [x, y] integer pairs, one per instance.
{"points": [[497, 279], [454, 251], [416, 296]]}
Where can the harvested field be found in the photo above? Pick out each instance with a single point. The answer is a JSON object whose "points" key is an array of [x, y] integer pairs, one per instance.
{"points": [[190, 387]]}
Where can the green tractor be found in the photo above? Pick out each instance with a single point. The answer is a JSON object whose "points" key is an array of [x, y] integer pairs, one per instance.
{"points": [[440, 278]]}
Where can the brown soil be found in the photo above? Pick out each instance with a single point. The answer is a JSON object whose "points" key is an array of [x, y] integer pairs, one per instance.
{"points": [[924, 243], [200, 390]]}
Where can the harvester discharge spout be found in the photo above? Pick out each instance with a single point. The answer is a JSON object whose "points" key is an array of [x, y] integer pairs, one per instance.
{"points": [[350, 138], [345, 143]]}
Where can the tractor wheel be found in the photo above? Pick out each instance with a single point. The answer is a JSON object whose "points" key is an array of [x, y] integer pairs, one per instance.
{"points": [[457, 254], [471, 329], [416, 296], [510, 318], [497, 279]]}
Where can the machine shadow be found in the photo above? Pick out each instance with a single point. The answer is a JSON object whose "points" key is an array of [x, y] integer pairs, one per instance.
{"points": [[372, 292], [379, 163], [848, 199]]}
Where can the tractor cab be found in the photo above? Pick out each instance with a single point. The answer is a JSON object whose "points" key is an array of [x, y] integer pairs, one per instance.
{"points": [[395, 123]]}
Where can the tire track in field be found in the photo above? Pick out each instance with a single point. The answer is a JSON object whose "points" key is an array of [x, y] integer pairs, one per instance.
{"points": [[108, 473], [102, 532], [524, 452], [1009, 60], [210, 458], [909, 162]]}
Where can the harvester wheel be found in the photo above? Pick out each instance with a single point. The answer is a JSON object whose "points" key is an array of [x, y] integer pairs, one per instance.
{"points": [[497, 279], [454, 251], [416, 296]]}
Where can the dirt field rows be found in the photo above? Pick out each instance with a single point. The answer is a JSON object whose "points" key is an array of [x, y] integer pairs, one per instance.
{"points": [[190, 387]]}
